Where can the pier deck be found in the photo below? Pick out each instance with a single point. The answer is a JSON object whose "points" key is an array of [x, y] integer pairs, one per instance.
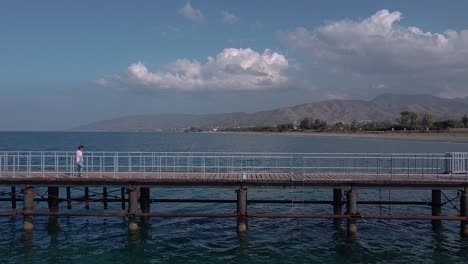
{"points": [[135, 173], [191, 179]]}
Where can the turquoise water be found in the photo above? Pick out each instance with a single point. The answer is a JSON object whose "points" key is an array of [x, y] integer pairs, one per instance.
{"points": [[202, 240]]}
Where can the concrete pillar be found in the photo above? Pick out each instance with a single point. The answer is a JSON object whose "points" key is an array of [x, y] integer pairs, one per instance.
{"points": [[132, 208], [69, 198], [464, 212], [13, 197], [53, 203], [104, 197], [28, 223], [436, 205], [242, 210], [351, 209]]}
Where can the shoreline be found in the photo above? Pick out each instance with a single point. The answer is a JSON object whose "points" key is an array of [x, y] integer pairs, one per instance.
{"points": [[448, 137], [451, 137]]}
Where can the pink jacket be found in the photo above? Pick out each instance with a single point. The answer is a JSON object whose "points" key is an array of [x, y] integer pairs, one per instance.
{"points": [[79, 156]]}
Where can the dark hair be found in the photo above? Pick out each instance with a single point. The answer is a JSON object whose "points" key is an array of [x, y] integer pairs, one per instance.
{"points": [[80, 147]]}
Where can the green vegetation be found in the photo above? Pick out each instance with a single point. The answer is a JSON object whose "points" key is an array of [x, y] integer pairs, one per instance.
{"points": [[408, 121], [426, 121], [464, 121]]}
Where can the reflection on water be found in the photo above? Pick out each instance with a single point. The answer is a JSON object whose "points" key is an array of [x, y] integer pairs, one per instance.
{"points": [[216, 240]]}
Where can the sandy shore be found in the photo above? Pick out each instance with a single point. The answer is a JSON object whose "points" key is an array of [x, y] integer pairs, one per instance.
{"points": [[455, 137]]}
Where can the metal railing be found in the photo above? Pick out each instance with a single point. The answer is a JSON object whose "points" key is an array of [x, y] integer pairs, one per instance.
{"points": [[36, 163], [457, 162]]}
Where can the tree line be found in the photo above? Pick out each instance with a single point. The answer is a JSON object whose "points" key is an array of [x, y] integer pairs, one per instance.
{"points": [[407, 121]]}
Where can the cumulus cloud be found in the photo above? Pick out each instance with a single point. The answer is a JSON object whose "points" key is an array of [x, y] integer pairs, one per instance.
{"points": [[228, 18], [192, 14], [230, 70], [377, 50]]}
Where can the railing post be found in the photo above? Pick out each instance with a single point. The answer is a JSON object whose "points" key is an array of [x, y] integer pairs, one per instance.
{"points": [[448, 163]]}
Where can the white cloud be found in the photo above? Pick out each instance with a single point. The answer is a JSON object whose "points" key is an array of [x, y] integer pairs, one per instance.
{"points": [[192, 14], [230, 70], [379, 50], [228, 18]]}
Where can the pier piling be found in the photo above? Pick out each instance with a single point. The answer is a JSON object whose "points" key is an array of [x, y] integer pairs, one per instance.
{"points": [[242, 210], [145, 199], [436, 205], [53, 203], [69, 198], [122, 197], [28, 209], [13, 197], [351, 209], [132, 208], [337, 206], [86, 197], [464, 212], [104, 197]]}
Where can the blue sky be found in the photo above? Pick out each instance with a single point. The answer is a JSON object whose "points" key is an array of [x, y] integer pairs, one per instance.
{"points": [[66, 63]]}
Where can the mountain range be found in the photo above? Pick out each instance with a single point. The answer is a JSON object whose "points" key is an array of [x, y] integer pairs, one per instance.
{"points": [[381, 108]]}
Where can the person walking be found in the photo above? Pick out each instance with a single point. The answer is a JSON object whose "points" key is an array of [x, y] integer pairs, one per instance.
{"points": [[79, 159]]}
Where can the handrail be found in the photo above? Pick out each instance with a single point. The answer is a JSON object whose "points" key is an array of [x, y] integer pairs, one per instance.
{"points": [[46, 163]]}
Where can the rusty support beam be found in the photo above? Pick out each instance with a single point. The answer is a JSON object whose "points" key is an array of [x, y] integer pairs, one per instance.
{"points": [[113, 200], [231, 215]]}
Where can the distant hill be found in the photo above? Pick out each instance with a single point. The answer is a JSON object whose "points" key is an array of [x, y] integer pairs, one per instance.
{"points": [[383, 107]]}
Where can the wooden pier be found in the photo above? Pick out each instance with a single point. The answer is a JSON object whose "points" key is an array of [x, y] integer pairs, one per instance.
{"points": [[343, 174]]}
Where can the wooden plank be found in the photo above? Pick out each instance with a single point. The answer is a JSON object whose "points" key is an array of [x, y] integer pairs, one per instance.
{"points": [[263, 179]]}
